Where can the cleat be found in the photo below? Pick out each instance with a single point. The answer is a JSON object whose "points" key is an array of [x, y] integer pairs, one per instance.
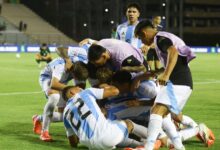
{"points": [[211, 135], [37, 125], [204, 133], [45, 136], [210, 143]]}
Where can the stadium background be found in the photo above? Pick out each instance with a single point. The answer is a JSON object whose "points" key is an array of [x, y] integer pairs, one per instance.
{"points": [[196, 21]]}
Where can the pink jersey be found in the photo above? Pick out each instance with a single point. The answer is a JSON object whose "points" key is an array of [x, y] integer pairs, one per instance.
{"points": [[182, 48], [119, 51]]}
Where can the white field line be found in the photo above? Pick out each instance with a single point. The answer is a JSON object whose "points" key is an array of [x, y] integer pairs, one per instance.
{"points": [[20, 93], [207, 82], [38, 92]]}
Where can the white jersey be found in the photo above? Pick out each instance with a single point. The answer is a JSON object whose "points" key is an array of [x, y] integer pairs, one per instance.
{"points": [[78, 53], [125, 32], [83, 117], [56, 69]]}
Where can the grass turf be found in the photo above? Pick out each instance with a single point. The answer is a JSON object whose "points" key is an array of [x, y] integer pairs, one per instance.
{"points": [[16, 109]]}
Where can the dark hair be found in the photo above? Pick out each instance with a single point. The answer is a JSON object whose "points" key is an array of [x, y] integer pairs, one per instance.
{"points": [[95, 52], [80, 71], [122, 77], [44, 44], [64, 91], [141, 25], [104, 75], [135, 5]]}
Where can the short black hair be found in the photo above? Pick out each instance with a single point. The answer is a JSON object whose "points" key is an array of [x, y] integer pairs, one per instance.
{"points": [[141, 25], [64, 91], [135, 5], [95, 52], [122, 77], [104, 75], [80, 71]]}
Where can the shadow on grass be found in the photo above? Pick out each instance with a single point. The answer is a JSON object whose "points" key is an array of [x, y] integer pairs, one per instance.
{"points": [[23, 132]]}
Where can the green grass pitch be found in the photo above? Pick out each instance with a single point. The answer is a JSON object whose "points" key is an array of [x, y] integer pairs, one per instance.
{"points": [[19, 77]]}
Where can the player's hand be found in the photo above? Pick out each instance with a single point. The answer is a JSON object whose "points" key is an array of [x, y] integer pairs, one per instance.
{"points": [[85, 41], [145, 49], [162, 79]]}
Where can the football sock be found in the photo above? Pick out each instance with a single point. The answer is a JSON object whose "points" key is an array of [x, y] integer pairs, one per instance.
{"points": [[57, 117], [187, 121], [48, 110], [186, 134], [172, 133], [154, 128], [139, 130]]}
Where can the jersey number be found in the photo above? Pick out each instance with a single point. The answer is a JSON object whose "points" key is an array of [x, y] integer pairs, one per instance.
{"points": [[83, 114]]}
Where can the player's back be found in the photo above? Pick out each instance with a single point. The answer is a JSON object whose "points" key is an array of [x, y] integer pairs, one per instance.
{"points": [[85, 115]]}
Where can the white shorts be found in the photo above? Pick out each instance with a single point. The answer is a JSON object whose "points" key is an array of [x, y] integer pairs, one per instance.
{"points": [[174, 96], [108, 135], [45, 85]]}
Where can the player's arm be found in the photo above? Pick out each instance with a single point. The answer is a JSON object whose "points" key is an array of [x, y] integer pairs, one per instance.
{"points": [[109, 90], [56, 85], [136, 82], [172, 56], [73, 140], [134, 68], [87, 41], [63, 52]]}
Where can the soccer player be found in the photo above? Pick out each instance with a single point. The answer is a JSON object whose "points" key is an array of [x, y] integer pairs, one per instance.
{"points": [[119, 54], [53, 79], [125, 31], [43, 55], [175, 81], [83, 118]]}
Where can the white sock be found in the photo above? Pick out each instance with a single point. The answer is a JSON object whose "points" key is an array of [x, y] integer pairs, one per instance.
{"points": [[128, 142], [57, 117], [48, 110], [186, 134], [172, 133], [139, 130], [187, 121], [154, 128], [40, 118]]}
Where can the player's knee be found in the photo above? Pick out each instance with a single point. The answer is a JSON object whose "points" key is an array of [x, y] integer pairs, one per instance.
{"points": [[129, 125], [160, 109], [177, 118]]}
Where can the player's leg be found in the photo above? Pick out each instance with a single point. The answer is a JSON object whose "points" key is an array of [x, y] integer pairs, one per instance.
{"points": [[53, 99], [155, 123], [38, 59], [171, 132]]}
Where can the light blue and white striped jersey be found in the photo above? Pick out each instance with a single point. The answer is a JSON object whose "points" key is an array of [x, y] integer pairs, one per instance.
{"points": [[78, 53], [118, 108], [125, 32], [56, 68], [83, 115]]}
